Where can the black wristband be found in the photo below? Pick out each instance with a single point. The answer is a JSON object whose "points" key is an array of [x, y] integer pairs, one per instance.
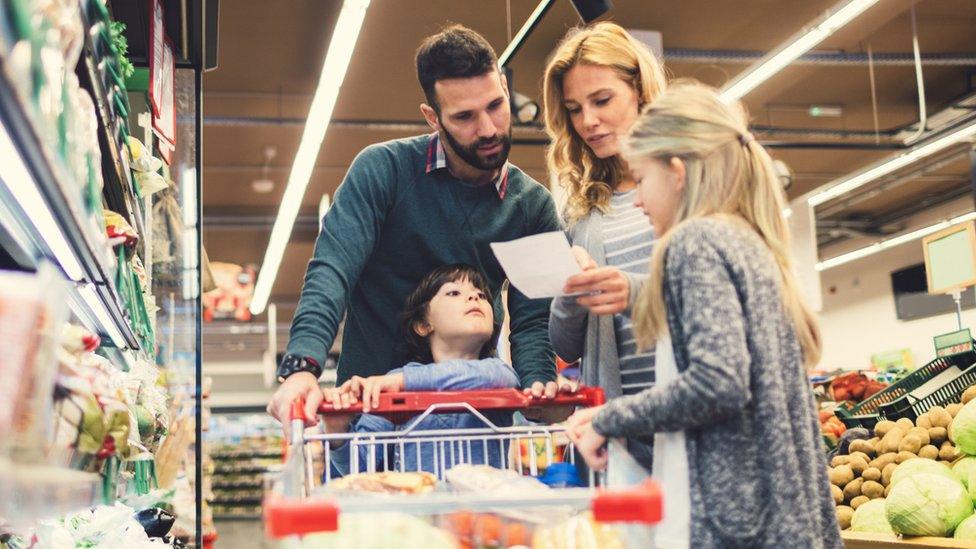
{"points": [[292, 364]]}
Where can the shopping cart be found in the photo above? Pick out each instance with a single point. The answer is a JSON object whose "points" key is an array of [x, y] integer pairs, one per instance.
{"points": [[301, 502]]}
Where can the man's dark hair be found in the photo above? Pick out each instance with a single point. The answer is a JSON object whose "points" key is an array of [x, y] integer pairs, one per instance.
{"points": [[416, 348], [455, 52]]}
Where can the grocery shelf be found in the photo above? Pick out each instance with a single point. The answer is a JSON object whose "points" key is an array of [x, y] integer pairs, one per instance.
{"points": [[120, 189], [38, 219], [36, 492]]}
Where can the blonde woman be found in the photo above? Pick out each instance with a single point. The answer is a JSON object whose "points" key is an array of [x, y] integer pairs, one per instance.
{"points": [[594, 87], [732, 412]]}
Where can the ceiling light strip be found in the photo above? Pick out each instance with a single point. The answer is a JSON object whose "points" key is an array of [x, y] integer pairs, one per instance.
{"points": [[893, 163], [789, 51], [337, 59], [892, 242], [527, 27]]}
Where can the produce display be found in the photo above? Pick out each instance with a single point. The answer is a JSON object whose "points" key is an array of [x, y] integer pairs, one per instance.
{"points": [[910, 478]]}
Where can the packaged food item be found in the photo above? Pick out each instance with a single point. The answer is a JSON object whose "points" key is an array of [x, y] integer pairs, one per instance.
{"points": [[33, 308], [578, 532], [538, 452], [486, 479], [380, 531], [119, 230], [387, 482]]}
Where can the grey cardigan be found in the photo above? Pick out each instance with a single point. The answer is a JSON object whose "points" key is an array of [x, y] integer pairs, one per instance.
{"points": [[757, 469], [577, 334]]}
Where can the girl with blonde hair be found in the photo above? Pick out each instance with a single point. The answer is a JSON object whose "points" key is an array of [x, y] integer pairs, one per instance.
{"points": [[733, 335], [595, 84]]}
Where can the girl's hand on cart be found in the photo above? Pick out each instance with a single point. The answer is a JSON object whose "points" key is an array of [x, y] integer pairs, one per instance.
{"points": [[299, 385], [368, 389], [590, 444]]}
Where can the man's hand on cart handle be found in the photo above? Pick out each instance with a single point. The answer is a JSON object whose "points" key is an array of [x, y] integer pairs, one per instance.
{"points": [[302, 385], [549, 391]]}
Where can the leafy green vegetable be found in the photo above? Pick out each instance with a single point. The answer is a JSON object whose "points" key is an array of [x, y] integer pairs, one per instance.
{"points": [[926, 504]]}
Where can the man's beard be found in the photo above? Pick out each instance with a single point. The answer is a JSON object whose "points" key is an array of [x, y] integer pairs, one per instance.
{"points": [[470, 154]]}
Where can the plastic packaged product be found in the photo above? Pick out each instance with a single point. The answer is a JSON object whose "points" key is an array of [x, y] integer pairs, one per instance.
{"points": [[579, 532], [561, 475], [142, 159], [32, 311], [396, 530], [119, 229]]}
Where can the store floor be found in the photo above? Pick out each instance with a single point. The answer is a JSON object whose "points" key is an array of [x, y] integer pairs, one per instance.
{"points": [[234, 533]]}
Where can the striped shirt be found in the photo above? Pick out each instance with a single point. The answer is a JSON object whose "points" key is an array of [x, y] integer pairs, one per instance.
{"points": [[628, 239]]}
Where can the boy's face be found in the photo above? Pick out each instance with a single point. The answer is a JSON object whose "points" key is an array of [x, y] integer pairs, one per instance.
{"points": [[460, 313]]}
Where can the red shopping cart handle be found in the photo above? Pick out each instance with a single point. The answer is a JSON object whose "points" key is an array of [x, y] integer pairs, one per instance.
{"points": [[641, 504], [399, 405], [288, 517]]}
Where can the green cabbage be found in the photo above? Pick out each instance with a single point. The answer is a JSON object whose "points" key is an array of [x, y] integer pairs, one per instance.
{"points": [[966, 529], [964, 469], [915, 466], [925, 504], [871, 517], [962, 430]]}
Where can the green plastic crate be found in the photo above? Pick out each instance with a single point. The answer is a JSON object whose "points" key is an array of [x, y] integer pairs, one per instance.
{"points": [[897, 402]]}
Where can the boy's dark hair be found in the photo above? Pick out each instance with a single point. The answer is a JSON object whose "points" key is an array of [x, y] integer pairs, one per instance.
{"points": [[455, 52], [416, 348]]}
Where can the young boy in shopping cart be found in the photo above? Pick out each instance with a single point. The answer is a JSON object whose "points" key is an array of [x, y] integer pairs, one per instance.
{"points": [[448, 336]]}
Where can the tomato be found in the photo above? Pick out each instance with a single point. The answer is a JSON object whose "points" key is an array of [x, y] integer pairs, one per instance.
{"points": [[488, 530], [516, 533]]}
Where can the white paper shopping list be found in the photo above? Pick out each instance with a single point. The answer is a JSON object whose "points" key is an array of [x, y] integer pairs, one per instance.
{"points": [[537, 265]]}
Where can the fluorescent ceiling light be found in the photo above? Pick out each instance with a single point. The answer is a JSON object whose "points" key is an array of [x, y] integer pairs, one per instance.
{"points": [[529, 24], [320, 113], [15, 176], [892, 242], [892, 163], [776, 60]]}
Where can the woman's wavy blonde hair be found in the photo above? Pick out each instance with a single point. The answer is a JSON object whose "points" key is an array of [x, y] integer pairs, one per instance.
{"points": [[728, 175], [590, 180]]}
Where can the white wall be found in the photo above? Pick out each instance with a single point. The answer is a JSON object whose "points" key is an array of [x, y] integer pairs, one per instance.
{"points": [[858, 317]]}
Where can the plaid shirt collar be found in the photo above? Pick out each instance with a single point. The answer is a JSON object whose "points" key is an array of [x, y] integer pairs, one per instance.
{"points": [[437, 159]]}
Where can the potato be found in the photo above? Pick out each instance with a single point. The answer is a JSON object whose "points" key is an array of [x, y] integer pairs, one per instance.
{"points": [[887, 490], [939, 416], [887, 472], [968, 394], [859, 501], [910, 443], [954, 408], [873, 473], [938, 435], [922, 434], [902, 457], [853, 489], [905, 424], [861, 455], [882, 427], [862, 447], [858, 465], [948, 452], [872, 489], [841, 475], [840, 460], [884, 459], [929, 452], [874, 442], [837, 493], [891, 441], [924, 421], [844, 516]]}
